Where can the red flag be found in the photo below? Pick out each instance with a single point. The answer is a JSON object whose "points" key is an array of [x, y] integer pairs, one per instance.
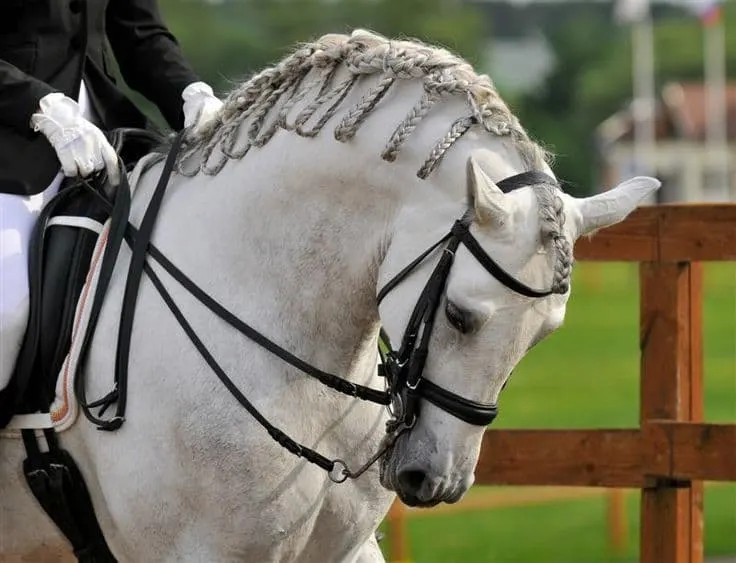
{"points": [[709, 12]]}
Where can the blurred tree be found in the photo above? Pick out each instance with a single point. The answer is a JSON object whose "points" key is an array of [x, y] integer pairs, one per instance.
{"points": [[228, 40], [553, 115]]}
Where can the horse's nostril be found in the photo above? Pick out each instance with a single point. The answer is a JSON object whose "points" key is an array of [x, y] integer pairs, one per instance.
{"points": [[411, 480]]}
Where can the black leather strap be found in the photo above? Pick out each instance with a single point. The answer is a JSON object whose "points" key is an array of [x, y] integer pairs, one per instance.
{"points": [[461, 232], [478, 414], [115, 237], [398, 278], [132, 284], [524, 179]]}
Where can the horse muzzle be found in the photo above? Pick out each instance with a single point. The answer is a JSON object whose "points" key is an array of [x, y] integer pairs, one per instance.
{"points": [[415, 481]]}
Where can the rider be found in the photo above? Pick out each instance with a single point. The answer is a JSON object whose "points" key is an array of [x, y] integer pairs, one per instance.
{"points": [[57, 92]]}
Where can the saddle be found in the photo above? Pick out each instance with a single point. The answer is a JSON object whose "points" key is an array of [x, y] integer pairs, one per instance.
{"points": [[62, 245]]}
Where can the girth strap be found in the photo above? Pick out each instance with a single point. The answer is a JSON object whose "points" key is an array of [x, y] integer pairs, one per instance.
{"points": [[55, 480]]}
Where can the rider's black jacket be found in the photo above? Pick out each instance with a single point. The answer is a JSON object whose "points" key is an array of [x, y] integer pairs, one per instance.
{"points": [[51, 45]]}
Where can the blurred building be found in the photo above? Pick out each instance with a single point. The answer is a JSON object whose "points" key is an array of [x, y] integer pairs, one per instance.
{"points": [[690, 169]]}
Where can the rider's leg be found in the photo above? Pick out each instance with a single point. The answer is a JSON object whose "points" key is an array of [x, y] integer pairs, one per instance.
{"points": [[18, 214]]}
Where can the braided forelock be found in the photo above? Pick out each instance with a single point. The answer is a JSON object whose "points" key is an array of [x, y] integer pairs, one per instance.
{"points": [[552, 228]]}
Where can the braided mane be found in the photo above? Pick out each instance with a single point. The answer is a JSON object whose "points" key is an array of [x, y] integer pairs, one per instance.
{"points": [[364, 53]]}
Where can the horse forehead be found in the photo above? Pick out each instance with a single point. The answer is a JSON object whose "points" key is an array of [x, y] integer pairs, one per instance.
{"points": [[526, 208], [501, 157], [516, 249]]}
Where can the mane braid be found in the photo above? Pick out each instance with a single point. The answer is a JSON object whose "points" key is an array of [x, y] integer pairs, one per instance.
{"points": [[362, 53], [338, 94]]}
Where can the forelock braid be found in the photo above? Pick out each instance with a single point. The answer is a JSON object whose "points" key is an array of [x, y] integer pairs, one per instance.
{"points": [[552, 226]]}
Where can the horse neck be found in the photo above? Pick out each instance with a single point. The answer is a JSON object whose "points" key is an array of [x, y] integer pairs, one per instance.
{"points": [[293, 249], [314, 218]]}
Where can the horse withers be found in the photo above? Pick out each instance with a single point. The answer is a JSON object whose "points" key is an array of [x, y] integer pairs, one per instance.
{"points": [[359, 189]]}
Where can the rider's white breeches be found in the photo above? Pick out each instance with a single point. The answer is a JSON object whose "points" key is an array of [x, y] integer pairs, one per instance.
{"points": [[18, 215]]}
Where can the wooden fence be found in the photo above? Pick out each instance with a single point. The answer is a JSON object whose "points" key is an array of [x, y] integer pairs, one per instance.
{"points": [[672, 452]]}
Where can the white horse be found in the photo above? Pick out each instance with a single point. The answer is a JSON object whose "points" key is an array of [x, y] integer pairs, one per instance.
{"points": [[361, 154]]}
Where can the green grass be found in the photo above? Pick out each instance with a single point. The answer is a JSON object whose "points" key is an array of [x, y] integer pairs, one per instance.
{"points": [[587, 376], [561, 532]]}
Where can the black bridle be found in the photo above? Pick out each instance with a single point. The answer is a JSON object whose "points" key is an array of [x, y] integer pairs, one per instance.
{"points": [[402, 369]]}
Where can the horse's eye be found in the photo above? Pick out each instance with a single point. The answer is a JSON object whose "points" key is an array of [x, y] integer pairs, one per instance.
{"points": [[457, 317]]}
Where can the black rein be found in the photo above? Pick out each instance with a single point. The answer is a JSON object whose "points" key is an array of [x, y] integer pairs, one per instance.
{"points": [[403, 370]]}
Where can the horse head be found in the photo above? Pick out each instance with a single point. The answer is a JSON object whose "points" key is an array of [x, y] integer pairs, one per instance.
{"points": [[503, 294]]}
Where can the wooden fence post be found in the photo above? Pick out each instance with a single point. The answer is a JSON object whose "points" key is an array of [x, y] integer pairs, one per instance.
{"points": [[671, 389], [398, 536], [617, 521]]}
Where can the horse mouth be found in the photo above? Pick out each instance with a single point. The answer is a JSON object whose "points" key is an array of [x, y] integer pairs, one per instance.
{"points": [[412, 501]]}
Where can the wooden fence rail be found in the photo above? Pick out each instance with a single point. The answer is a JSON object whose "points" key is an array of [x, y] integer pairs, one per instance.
{"points": [[672, 452]]}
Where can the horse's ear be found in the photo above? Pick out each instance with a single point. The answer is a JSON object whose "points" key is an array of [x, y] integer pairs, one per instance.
{"points": [[612, 206], [489, 202]]}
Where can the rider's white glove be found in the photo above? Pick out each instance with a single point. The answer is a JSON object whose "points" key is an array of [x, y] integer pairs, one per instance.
{"points": [[80, 146], [201, 106]]}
